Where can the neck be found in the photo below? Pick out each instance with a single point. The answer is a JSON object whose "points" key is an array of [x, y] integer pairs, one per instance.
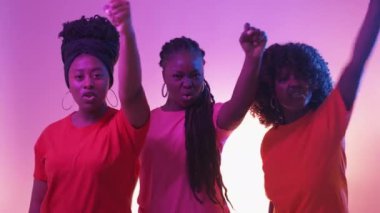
{"points": [[169, 106], [293, 115], [84, 118]]}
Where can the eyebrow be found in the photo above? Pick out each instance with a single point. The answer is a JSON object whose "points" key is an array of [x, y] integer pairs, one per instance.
{"points": [[95, 69]]}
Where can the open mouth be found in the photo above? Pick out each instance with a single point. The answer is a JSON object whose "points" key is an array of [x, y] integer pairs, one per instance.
{"points": [[297, 92], [89, 96], [187, 97]]}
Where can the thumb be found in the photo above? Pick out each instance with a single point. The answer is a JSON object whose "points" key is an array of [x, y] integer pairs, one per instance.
{"points": [[247, 26]]}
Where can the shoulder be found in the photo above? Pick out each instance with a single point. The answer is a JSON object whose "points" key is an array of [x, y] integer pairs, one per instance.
{"points": [[51, 131], [333, 106], [157, 110], [217, 106], [57, 125]]}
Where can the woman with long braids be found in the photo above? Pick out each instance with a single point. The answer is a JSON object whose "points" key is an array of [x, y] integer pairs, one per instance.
{"points": [[180, 162]]}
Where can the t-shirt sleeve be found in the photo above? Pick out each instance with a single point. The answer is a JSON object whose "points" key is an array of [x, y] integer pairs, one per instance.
{"points": [[333, 114], [137, 135], [40, 158], [221, 134]]}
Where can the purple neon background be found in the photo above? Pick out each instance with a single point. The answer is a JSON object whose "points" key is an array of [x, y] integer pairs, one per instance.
{"points": [[32, 85]]}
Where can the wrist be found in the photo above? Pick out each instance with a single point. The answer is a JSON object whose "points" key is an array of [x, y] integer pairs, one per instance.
{"points": [[253, 55], [125, 28]]}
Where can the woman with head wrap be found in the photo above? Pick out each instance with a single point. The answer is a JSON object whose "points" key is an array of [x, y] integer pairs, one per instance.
{"points": [[88, 161]]}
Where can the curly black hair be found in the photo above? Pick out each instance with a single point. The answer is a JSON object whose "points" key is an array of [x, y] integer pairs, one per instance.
{"points": [[309, 64], [94, 35], [202, 152]]}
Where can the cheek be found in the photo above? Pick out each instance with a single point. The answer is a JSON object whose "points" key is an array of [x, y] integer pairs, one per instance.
{"points": [[74, 86], [172, 86], [280, 89], [74, 91], [102, 87], [199, 85], [72, 82]]}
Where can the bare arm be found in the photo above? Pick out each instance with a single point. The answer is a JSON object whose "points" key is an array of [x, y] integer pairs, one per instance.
{"points": [[270, 209], [38, 194], [233, 111], [350, 79], [132, 95]]}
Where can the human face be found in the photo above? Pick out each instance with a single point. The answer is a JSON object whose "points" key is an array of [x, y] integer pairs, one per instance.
{"points": [[183, 75], [89, 82], [292, 91]]}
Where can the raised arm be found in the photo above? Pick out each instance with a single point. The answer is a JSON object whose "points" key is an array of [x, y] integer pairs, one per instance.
{"points": [[350, 79], [131, 93], [233, 111]]}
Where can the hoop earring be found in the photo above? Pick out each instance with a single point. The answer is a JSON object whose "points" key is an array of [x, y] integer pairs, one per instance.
{"points": [[63, 102], [273, 103], [164, 90], [114, 95]]}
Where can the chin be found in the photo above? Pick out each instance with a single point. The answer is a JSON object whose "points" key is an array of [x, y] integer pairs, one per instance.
{"points": [[187, 104], [91, 108], [295, 107]]}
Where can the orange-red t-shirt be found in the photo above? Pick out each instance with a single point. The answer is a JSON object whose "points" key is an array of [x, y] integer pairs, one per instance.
{"points": [[304, 162], [89, 169]]}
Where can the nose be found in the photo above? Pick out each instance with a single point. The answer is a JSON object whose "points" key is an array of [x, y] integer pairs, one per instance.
{"points": [[88, 82], [295, 81], [187, 82], [292, 80]]}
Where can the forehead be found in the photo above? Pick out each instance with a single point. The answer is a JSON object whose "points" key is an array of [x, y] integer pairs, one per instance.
{"points": [[184, 60], [87, 62], [287, 71]]}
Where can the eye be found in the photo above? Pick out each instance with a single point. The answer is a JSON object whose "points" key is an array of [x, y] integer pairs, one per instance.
{"points": [[98, 75], [78, 77], [177, 76], [195, 75], [281, 79]]}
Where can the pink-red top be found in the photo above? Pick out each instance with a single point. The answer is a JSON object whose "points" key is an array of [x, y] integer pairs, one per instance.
{"points": [[164, 184]]}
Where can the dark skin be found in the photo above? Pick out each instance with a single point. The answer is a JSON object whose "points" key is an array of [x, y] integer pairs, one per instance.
{"points": [[131, 93], [349, 81], [183, 75]]}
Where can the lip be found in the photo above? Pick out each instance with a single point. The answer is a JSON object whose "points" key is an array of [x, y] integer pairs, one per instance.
{"points": [[187, 96], [297, 92], [89, 96]]}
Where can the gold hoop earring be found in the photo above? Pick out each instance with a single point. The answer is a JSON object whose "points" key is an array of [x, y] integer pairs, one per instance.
{"points": [[116, 99], [63, 102], [272, 103], [164, 90]]}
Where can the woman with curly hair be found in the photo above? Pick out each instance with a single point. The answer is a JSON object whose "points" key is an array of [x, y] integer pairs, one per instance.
{"points": [[88, 161], [303, 153], [180, 161]]}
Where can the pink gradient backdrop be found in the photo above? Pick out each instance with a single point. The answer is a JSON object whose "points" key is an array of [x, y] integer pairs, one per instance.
{"points": [[32, 85]]}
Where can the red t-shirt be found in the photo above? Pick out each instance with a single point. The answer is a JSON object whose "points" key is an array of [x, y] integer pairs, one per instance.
{"points": [[304, 162], [89, 169]]}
